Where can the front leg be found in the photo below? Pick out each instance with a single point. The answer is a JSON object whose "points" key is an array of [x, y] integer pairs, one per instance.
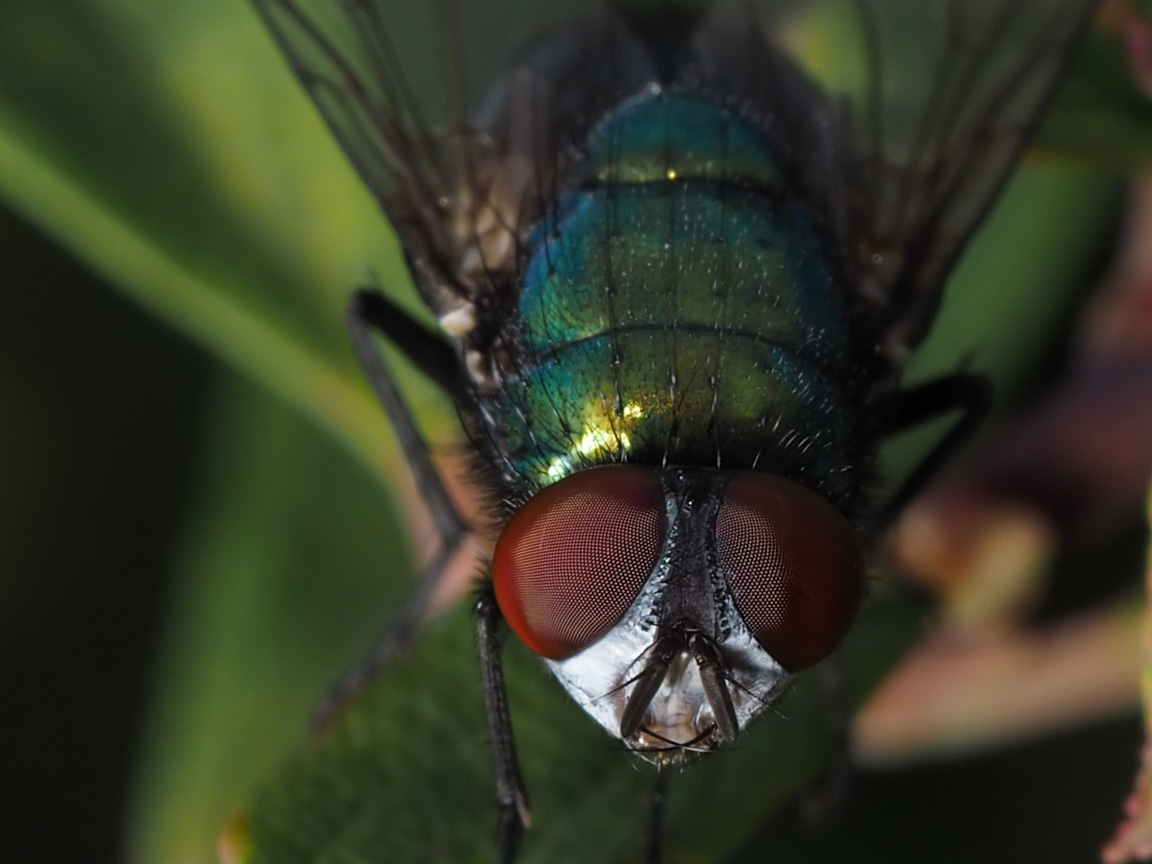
{"points": [[969, 394], [511, 795], [368, 314]]}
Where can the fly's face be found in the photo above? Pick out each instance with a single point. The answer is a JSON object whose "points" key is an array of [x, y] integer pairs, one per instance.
{"points": [[675, 604]]}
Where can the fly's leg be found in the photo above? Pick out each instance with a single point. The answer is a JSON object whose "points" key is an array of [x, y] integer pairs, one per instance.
{"points": [[372, 312], [968, 393], [823, 802], [657, 797], [511, 796], [369, 313]]}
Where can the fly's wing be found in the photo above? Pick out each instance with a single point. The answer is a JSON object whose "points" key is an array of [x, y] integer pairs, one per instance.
{"points": [[905, 119], [935, 99], [344, 54], [398, 83]]}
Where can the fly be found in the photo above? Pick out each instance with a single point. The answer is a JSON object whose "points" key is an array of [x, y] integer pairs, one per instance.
{"points": [[679, 258]]}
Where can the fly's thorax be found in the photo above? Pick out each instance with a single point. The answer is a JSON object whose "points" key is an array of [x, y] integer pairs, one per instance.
{"points": [[674, 604], [682, 306]]}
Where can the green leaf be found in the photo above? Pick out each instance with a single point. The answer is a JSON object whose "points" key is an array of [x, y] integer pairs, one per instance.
{"points": [[406, 775]]}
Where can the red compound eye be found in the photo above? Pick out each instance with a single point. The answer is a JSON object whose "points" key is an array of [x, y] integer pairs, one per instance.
{"points": [[571, 562], [794, 565]]}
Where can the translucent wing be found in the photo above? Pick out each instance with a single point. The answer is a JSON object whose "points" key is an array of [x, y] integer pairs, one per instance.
{"points": [[401, 85], [936, 99], [345, 54], [902, 117]]}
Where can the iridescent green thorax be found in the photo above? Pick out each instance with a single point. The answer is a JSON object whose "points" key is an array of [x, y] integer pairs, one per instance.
{"points": [[657, 136], [680, 308]]}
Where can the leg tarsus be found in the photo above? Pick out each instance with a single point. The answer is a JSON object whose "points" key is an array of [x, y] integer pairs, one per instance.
{"points": [[365, 315], [371, 312], [825, 800], [511, 795], [657, 797], [390, 644]]}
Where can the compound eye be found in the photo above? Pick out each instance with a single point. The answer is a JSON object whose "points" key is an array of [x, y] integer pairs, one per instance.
{"points": [[573, 559], [794, 564]]}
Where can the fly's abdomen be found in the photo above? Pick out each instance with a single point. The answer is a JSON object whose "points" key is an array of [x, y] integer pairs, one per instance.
{"points": [[679, 308]]}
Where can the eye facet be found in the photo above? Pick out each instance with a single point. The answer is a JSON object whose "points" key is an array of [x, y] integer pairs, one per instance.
{"points": [[573, 559], [794, 564]]}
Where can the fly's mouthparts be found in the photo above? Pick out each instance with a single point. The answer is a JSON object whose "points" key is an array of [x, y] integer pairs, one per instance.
{"points": [[713, 676], [681, 697]]}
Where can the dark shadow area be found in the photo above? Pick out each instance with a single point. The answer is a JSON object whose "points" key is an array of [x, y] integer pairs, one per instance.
{"points": [[98, 443], [1053, 800]]}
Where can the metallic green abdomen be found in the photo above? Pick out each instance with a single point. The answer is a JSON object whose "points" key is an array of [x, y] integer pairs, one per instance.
{"points": [[681, 309]]}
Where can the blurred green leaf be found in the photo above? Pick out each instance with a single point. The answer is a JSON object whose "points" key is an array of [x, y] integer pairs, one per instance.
{"points": [[1101, 116], [173, 153], [280, 575]]}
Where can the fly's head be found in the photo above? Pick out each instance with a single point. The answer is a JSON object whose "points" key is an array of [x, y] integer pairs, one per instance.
{"points": [[675, 604]]}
